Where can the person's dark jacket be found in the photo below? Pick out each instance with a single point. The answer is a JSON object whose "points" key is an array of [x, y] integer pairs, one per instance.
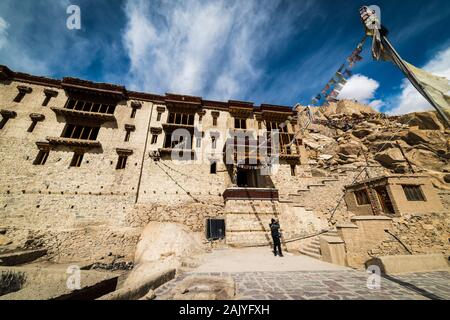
{"points": [[275, 230]]}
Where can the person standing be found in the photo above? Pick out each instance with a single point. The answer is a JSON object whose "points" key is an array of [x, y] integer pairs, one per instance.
{"points": [[276, 235]]}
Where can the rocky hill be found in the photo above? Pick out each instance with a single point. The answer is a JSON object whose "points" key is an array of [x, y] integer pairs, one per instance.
{"points": [[348, 133]]}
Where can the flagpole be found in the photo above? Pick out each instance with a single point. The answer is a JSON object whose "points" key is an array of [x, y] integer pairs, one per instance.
{"points": [[412, 78]]}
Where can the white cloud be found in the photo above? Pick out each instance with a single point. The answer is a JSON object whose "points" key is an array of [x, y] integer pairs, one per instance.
{"points": [[360, 88], [199, 48], [3, 33], [410, 100], [377, 104]]}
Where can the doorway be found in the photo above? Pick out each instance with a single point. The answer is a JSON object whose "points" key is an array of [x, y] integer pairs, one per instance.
{"points": [[215, 229], [247, 178], [385, 200]]}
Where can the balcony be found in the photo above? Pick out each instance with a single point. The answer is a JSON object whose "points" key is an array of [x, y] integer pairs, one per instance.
{"points": [[59, 141], [71, 113], [173, 126], [237, 193], [165, 151]]}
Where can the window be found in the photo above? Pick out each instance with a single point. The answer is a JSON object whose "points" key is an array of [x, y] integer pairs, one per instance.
{"points": [[413, 193], [181, 118], [293, 170], [272, 125], [19, 96], [76, 160], [362, 198], [23, 90], [158, 117], [127, 135], [32, 126], [46, 101], [41, 158], [215, 228], [133, 113], [198, 142], [80, 132], [87, 106], [240, 123], [259, 125], [215, 115], [49, 94], [213, 168], [214, 142], [121, 162], [154, 139]]}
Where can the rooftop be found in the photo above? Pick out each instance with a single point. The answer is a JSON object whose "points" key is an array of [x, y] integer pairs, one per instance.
{"points": [[68, 83]]}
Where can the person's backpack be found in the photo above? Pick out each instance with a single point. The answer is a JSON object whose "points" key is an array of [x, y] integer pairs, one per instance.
{"points": [[275, 229]]}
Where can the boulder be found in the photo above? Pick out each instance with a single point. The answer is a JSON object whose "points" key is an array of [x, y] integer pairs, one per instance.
{"points": [[361, 133], [351, 147], [430, 137], [325, 157], [4, 241], [424, 120], [163, 240], [416, 137], [384, 145], [389, 158], [425, 159], [203, 288]]}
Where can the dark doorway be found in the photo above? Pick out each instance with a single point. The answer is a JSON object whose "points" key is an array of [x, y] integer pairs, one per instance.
{"points": [[242, 178], [215, 229], [385, 200], [247, 178], [213, 168]]}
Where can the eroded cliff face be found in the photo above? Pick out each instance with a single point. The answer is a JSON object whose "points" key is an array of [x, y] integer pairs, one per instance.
{"points": [[348, 133]]}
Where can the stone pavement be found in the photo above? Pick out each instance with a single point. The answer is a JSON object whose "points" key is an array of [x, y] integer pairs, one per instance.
{"points": [[297, 277], [260, 259]]}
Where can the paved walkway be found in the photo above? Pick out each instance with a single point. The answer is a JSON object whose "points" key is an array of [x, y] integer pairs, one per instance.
{"points": [[260, 259], [261, 276]]}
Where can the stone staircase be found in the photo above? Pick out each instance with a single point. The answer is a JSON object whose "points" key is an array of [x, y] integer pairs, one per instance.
{"points": [[311, 247]]}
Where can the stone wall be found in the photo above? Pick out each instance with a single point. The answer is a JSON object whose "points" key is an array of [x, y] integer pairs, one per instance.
{"points": [[247, 222], [362, 235], [420, 233], [90, 211], [56, 204]]}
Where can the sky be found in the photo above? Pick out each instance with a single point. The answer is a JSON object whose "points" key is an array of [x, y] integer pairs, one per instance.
{"points": [[264, 51]]}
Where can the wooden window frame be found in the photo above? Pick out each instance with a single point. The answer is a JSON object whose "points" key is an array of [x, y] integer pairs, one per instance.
{"points": [[414, 193], [122, 162], [41, 157], [77, 159], [362, 197]]}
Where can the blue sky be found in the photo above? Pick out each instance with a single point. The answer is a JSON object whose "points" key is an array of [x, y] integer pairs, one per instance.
{"points": [[279, 52]]}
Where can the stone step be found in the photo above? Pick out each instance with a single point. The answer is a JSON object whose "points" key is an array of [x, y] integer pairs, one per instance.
{"points": [[310, 251], [312, 255]]}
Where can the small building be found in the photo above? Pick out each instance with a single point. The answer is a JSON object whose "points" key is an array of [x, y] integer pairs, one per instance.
{"points": [[393, 195]]}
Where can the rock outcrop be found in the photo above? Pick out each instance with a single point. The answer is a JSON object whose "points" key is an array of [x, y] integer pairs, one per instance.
{"points": [[347, 133]]}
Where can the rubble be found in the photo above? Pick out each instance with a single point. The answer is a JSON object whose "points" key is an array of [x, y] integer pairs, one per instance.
{"points": [[350, 133]]}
